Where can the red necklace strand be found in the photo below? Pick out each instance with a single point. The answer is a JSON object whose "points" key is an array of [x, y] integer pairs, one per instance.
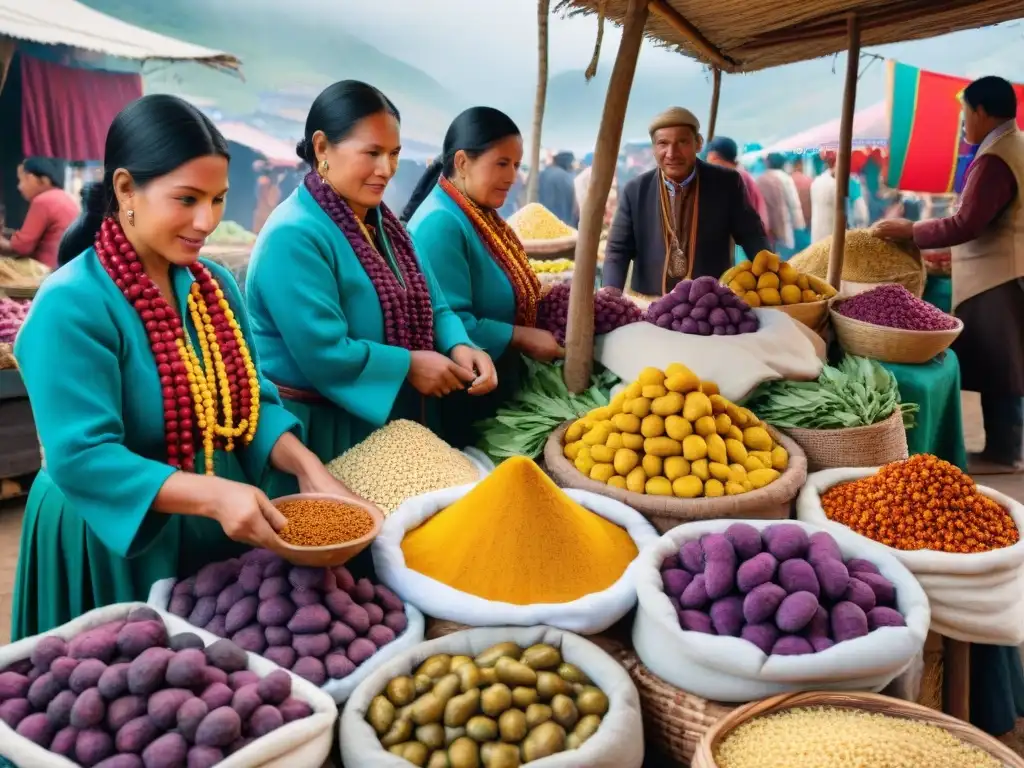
{"points": [[195, 395]]}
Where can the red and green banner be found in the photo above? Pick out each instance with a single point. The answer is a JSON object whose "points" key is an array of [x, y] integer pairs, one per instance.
{"points": [[927, 149]]}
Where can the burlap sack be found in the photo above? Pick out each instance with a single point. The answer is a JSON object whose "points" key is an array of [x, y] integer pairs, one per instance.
{"points": [[868, 262], [559, 248], [773, 502], [869, 446]]}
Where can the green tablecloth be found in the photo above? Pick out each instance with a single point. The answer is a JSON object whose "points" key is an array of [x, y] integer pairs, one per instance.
{"points": [[938, 292], [935, 387]]}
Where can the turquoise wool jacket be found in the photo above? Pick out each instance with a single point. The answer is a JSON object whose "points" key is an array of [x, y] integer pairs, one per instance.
{"points": [[89, 370], [316, 317], [476, 287]]}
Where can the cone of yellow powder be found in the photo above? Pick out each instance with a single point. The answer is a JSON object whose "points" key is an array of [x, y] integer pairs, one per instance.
{"points": [[517, 538]]}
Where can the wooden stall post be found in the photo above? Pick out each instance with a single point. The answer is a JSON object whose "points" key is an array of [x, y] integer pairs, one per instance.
{"points": [[716, 89], [579, 344], [956, 677], [835, 260], [540, 99]]}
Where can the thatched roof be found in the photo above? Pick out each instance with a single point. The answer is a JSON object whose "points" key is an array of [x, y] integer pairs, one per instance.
{"points": [[748, 35]]}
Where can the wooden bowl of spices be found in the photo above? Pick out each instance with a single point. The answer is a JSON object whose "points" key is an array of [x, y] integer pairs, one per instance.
{"points": [[325, 530]]}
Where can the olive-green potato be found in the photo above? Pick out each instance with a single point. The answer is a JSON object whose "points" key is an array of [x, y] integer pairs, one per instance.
{"points": [[452, 735], [427, 709], [431, 734], [513, 673], [439, 759], [512, 726], [458, 661], [412, 751], [488, 675], [469, 676], [501, 756], [550, 685], [482, 729], [423, 684], [401, 691], [460, 708], [541, 657], [537, 714], [490, 657], [495, 699], [587, 727], [436, 666], [464, 753], [401, 730], [573, 674], [543, 741], [381, 714], [446, 687], [563, 712], [523, 697], [572, 741], [592, 701]]}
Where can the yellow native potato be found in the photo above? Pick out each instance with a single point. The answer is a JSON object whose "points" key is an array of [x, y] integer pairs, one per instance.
{"points": [[697, 404], [737, 287], [788, 274], [769, 297], [668, 404], [694, 448], [652, 426], [658, 486], [600, 414], [650, 375], [652, 391], [584, 462], [632, 441], [716, 448], [759, 478], [735, 450], [597, 435], [662, 447], [699, 469], [627, 422], [641, 406], [803, 282], [574, 432], [734, 489], [636, 480], [752, 463], [682, 381], [760, 265], [678, 428], [780, 458], [752, 299], [790, 294], [704, 426], [723, 424], [602, 472], [737, 473], [651, 465], [614, 441], [617, 481], [808, 296], [735, 433], [718, 403], [688, 487], [755, 438], [767, 280], [675, 467], [602, 453], [572, 450], [714, 488], [709, 388], [625, 461], [747, 281], [718, 471], [634, 389]]}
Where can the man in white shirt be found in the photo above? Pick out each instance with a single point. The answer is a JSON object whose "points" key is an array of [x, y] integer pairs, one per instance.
{"points": [[823, 202]]}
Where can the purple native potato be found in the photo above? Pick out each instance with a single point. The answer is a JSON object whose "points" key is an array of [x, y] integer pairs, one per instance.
{"points": [[189, 716], [727, 615], [696, 621], [87, 674], [833, 577], [786, 541], [611, 310], [246, 701], [745, 539], [123, 710], [339, 666], [720, 565], [893, 306], [702, 307], [46, 651], [821, 546], [311, 669], [885, 592], [169, 751], [848, 622], [275, 687], [798, 575], [761, 635], [796, 611], [885, 617], [242, 678], [380, 635], [137, 636], [758, 570], [396, 621], [294, 709], [675, 580], [219, 728], [696, 594], [860, 594], [282, 655], [762, 602], [791, 645], [691, 556]]}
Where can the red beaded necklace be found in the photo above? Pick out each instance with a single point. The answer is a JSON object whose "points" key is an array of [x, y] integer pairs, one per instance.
{"points": [[194, 394]]}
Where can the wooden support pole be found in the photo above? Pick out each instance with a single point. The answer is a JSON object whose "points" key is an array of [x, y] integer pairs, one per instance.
{"points": [[716, 90], [579, 343], [956, 677], [835, 259], [540, 99], [711, 53]]}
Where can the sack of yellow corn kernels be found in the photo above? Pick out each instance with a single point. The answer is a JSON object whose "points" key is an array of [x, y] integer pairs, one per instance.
{"points": [[867, 262], [967, 554], [544, 235]]}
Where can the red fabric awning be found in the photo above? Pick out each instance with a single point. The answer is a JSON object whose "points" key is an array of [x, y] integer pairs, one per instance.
{"points": [[65, 112]]}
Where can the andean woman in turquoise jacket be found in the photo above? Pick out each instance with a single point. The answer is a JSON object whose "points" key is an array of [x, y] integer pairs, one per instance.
{"points": [[350, 326], [479, 261], [146, 391]]}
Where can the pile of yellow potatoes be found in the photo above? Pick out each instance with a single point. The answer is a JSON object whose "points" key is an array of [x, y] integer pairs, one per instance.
{"points": [[768, 281], [554, 266], [535, 222], [670, 434]]}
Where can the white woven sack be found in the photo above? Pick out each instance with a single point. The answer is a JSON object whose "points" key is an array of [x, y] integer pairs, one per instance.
{"points": [[589, 615], [779, 349], [618, 743], [339, 690], [305, 742], [975, 598], [733, 670]]}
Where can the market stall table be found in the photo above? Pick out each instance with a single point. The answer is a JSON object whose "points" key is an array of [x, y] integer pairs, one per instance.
{"points": [[938, 292], [935, 387]]}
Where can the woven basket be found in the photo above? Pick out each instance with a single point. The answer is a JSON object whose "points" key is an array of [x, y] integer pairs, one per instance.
{"points": [[674, 721], [870, 446], [810, 313], [773, 502], [548, 250], [868, 702], [891, 345]]}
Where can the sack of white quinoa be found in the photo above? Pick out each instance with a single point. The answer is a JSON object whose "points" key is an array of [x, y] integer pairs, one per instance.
{"points": [[974, 597], [759, 620], [617, 743]]}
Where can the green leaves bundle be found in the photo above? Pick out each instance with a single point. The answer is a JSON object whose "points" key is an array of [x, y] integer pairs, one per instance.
{"points": [[857, 393], [522, 425]]}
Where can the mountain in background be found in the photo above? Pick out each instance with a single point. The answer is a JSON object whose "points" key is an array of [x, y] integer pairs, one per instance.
{"points": [[286, 51]]}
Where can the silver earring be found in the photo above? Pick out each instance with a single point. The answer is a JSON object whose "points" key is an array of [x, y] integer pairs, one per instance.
{"points": [[131, 217]]}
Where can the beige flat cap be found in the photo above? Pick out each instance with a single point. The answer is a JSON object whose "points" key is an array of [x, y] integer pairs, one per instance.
{"points": [[672, 117]]}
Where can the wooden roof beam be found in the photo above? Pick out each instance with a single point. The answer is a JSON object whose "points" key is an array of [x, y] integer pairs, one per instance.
{"points": [[701, 44]]}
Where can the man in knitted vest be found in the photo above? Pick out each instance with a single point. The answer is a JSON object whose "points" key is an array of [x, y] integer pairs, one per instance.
{"points": [[986, 235], [677, 221]]}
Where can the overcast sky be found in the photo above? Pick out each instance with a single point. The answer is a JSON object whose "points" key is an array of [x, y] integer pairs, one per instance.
{"points": [[495, 35]]}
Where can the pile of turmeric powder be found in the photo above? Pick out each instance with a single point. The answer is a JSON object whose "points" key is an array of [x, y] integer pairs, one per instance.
{"points": [[518, 538]]}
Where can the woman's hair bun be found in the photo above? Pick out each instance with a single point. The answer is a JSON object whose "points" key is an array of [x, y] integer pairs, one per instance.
{"points": [[94, 198], [302, 150]]}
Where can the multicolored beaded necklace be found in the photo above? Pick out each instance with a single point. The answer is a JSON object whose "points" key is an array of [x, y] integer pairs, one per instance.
{"points": [[505, 248], [404, 296], [213, 388]]}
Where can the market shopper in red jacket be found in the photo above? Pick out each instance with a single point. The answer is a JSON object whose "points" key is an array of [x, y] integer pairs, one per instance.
{"points": [[50, 211]]}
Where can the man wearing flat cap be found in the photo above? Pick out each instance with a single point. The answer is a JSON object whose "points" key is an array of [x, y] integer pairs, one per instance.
{"points": [[678, 221]]}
